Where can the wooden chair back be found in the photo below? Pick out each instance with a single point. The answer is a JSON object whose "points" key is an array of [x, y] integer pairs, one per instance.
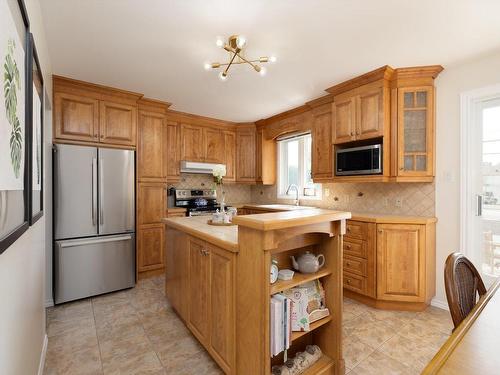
{"points": [[464, 286]]}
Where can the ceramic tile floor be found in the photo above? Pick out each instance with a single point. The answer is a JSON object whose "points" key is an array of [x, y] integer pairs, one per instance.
{"points": [[136, 332]]}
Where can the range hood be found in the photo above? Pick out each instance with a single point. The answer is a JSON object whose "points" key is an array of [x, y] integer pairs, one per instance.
{"points": [[197, 167]]}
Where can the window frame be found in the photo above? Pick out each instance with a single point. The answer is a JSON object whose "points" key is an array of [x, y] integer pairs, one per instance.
{"points": [[282, 175]]}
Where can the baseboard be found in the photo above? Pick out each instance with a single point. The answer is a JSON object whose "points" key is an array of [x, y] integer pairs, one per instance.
{"points": [[440, 304], [41, 365], [49, 303]]}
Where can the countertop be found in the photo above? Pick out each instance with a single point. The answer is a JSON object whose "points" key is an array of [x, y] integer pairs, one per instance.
{"points": [[225, 237], [360, 216]]}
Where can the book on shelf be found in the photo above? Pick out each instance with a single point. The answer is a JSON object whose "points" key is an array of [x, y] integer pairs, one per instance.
{"points": [[280, 319]]}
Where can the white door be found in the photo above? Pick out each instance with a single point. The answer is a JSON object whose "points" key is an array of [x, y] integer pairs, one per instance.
{"points": [[481, 193]]}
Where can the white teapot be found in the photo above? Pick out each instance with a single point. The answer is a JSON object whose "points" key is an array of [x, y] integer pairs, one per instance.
{"points": [[308, 262]]}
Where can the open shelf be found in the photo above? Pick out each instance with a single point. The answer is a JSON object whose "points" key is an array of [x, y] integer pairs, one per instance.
{"points": [[298, 278], [312, 327]]}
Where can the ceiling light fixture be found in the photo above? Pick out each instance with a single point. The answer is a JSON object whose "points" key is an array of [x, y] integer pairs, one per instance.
{"points": [[235, 46]]}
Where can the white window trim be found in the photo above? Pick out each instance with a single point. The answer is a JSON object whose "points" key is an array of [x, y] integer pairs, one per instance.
{"points": [[282, 195]]}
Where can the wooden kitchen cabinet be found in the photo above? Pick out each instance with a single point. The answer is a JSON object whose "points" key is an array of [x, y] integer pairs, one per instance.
{"points": [[230, 155], [150, 247], [391, 264], [344, 119], [213, 145], [94, 114], [151, 158], [173, 152], [76, 117], [192, 143], [265, 158], [322, 166], [401, 262], [222, 311], [415, 147], [117, 123], [151, 202], [199, 290], [245, 155], [361, 113]]}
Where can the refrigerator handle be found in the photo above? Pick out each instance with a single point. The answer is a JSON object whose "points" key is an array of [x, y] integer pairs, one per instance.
{"points": [[94, 191], [95, 241], [101, 210]]}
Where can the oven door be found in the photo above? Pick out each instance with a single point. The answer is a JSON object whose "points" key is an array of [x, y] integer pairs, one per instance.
{"points": [[363, 160]]}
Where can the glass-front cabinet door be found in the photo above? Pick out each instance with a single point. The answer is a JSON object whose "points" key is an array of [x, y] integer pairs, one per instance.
{"points": [[415, 131]]}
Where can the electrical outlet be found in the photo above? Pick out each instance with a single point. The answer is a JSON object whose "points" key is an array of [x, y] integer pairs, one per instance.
{"points": [[327, 192], [399, 202]]}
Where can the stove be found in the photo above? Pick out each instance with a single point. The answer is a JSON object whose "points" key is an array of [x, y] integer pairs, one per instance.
{"points": [[197, 202]]}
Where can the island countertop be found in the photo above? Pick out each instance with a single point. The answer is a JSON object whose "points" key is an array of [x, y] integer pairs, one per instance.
{"points": [[226, 237]]}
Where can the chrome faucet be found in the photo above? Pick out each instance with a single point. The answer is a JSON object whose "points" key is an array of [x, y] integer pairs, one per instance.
{"points": [[293, 186]]}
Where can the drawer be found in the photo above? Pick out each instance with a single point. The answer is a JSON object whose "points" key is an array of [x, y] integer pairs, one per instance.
{"points": [[355, 248], [357, 229], [355, 283], [355, 265]]}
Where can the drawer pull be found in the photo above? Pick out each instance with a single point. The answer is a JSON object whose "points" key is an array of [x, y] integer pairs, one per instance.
{"points": [[348, 247], [348, 264], [348, 281], [348, 229]]}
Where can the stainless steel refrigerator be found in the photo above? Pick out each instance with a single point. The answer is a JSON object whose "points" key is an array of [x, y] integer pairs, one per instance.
{"points": [[94, 221]]}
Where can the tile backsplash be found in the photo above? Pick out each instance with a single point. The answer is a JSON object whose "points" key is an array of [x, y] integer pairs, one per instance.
{"points": [[417, 199], [235, 193]]}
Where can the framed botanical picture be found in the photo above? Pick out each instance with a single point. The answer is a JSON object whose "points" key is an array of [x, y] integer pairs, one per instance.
{"points": [[14, 133], [35, 148]]}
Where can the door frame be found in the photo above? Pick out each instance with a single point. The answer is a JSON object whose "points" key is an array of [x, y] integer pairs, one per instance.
{"points": [[468, 118]]}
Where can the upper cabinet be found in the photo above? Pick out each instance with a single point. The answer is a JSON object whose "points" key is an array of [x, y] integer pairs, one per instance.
{"points": [[85, 112], [413, 132], [321, 143], [173, 151], [230, 155], [152, 158], [202, 144], [118, 123], [76, 117], [265, 158], [361, 113], [245, 154]]}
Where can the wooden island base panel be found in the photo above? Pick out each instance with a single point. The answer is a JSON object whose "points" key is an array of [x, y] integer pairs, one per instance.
{"points": [[217, 280]]}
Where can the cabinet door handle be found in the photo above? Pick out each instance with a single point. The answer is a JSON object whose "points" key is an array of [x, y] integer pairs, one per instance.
{"points": [[352, 134], [348, 281], [348, 264], [380, 230], [348, 247]]}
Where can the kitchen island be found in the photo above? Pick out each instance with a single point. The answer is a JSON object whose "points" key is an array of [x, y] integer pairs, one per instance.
{"points": [[217, 280]]}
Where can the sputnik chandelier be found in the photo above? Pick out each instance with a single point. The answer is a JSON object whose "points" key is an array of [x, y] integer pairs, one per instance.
{"points": [[235, 47]]}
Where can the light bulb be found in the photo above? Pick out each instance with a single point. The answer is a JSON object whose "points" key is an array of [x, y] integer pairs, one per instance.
{"points": [[207, 66], [272, 59], [219, 42], [262, 71], [241, 41], [222, 76]]}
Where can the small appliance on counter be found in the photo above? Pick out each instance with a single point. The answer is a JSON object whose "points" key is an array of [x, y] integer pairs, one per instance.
{"points": [[197, 202]]}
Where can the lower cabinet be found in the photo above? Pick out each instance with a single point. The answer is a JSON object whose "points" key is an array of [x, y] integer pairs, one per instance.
{"points": [[390, 265], [401, 260], [150, 252], [200, 287]]}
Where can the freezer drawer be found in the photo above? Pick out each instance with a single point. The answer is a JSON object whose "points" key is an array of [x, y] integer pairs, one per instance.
{"points": [[92, 266]]}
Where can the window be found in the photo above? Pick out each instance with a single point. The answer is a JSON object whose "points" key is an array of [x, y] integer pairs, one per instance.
{"points": [[295, 168]]}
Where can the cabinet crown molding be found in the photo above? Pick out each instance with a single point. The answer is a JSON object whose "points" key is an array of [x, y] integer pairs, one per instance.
{"points": [[384, 72], [153, 105]]}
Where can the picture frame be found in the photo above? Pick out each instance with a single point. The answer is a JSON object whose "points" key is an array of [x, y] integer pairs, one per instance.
{"points": [[14, 118], [36, 99]]}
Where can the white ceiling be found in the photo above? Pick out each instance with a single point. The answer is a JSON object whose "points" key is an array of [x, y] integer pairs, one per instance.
{"points": [[158, 47]]}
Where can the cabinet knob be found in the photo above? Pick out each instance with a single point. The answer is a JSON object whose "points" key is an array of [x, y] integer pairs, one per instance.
{"points": [[348, 281], [348, 247], [348, 229], [380, 230], [352, 134], [348, 264], [401, 168]]}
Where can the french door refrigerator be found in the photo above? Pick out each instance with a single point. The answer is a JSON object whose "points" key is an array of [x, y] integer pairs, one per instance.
{"points": [[94, 221]]}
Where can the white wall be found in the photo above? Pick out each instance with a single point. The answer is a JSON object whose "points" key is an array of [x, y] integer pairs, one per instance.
{"points": [[22, 266], [481, 72]]}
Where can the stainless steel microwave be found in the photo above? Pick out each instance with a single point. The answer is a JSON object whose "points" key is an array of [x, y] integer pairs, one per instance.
{"points": [[362, 160]]}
